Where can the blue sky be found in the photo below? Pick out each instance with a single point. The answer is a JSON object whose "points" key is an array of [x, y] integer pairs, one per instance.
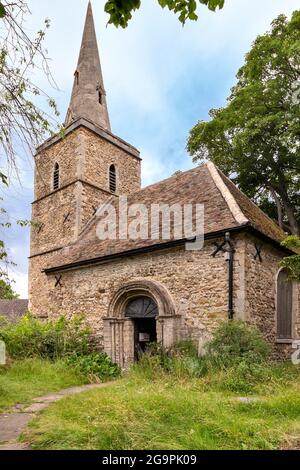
{"points": [[160, 80]]}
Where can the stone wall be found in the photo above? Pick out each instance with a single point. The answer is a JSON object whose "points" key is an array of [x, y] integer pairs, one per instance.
{"points": [[59, 216], [197, 283], [55, 219], [100, 155], [40, 286], [68, 153], [260, 293]]}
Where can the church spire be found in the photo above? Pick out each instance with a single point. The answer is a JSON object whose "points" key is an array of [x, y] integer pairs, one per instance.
{"points": [[88, 96]]}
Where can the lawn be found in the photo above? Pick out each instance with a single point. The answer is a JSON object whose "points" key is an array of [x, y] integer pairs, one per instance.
{"points": [[29, 378], [173, 413]]}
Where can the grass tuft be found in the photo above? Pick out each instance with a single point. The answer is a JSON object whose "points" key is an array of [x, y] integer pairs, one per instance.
{"points": [[29, 378]]}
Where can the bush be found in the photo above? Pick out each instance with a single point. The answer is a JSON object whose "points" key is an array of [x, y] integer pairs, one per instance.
{"points": [[243, 377], [50, 340], [181, 362], [95, 366], [237, 342], [236, 359]]}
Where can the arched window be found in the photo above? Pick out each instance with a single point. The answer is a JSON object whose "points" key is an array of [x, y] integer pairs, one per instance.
{"points": [[112, 179], [56, 177], [284, 306], [141, 307]]}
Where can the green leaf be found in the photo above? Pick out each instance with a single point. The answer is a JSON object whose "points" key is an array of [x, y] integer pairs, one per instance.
{"points": [[2, 11], [4, 179]]}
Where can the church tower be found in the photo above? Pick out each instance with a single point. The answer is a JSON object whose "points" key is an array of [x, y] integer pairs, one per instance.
{"points": [[77, 171]]}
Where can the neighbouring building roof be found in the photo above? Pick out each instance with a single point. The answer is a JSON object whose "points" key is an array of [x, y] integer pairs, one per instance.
{"points": [[226, 209], [13, 309]]}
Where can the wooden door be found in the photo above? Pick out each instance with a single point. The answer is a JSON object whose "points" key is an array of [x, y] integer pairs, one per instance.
{"points": [[284, 306]]}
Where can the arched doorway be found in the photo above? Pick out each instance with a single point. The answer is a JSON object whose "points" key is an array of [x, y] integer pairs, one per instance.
{"points": [[143, 311], [137, 309]]}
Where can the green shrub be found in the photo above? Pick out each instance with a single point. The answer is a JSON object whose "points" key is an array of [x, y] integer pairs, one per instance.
{"points": [[242, 378], [50, 340], [95, 366], [236, 359], [237, 342], [180, 362]]}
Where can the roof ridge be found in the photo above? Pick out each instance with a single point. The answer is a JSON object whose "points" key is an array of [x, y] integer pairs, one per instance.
{"points": [[230, 200]]}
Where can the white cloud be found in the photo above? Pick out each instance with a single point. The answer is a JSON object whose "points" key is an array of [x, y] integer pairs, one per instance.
{"points": [[21, 284]]}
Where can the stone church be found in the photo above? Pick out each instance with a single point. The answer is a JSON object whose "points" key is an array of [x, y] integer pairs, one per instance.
{"points": [[138, 291]]}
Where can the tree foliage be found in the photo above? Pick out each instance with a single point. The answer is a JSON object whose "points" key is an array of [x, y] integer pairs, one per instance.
{"points": [[6, 290], [292, 263], [22, 123], [121, 11], [255, 139]]}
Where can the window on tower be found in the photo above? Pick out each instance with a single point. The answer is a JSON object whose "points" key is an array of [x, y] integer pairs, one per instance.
{"points": [[56, 177], [77, 77], [112, 179]]}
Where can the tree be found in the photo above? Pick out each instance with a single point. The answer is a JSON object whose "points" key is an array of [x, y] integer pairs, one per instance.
{"points": [[255, 139], [22, 123], [6, 291], [292, 263], [120, 11]]}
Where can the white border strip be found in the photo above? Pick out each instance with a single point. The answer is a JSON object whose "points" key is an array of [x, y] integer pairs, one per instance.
{"points": [[231, 202]]}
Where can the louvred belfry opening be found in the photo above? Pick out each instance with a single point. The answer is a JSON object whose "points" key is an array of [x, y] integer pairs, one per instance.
{"points": [[112, 179], [56, 177]]}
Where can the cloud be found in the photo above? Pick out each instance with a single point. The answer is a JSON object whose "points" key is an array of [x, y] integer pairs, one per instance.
{"points": [[20, 284]]}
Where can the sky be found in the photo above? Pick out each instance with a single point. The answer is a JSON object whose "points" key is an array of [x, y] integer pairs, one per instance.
{"points": [[160, 78]]}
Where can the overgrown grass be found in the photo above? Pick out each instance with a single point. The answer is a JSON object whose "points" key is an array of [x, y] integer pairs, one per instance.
{"points": [[171, 413], [67, 343], [29, 378], [177, 400]]}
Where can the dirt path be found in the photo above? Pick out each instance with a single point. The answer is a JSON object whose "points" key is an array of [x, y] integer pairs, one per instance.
{"points": [[13, 424]]}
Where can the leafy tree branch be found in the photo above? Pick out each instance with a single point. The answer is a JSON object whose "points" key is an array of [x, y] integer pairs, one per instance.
{"points": [[292, 263], [121, 11], [23, 124]]}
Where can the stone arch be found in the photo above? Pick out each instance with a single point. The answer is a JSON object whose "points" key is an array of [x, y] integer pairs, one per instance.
{"points": [[139, 288], [119, 329]]}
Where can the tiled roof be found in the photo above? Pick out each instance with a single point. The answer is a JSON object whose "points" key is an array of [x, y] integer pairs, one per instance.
{"points": [[257, 218], [13, 309], [226, 207]]}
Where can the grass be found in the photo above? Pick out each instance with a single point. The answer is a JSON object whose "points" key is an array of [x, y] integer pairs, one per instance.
{"points": [[29, 378], [168, 413]]}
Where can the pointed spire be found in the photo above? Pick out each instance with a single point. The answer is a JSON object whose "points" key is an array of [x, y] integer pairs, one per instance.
{"points": [[88, 96]]}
